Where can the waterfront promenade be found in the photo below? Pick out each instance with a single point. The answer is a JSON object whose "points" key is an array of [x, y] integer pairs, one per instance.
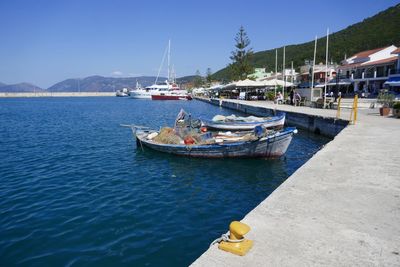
{"points": [[341, 208]]}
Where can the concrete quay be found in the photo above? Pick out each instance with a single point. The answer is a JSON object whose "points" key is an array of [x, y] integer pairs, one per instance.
{"points": [[341, 208], [55, 94]]}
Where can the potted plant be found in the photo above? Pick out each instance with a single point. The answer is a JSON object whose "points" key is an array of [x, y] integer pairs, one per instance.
{"points": [[386, 100], [396, 109]]}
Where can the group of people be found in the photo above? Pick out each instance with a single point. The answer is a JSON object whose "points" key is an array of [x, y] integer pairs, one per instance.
{"points": [[294, 98]]}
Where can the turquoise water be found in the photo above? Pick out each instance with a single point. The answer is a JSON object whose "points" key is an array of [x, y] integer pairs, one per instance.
{"points": [[75, 190]]}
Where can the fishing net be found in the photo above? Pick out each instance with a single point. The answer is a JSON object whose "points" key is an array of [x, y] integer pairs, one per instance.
{"points": [[167, 136]]}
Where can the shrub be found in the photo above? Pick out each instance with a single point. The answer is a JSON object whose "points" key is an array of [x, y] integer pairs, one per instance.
{"points": [[396, 105], [386, 99]]}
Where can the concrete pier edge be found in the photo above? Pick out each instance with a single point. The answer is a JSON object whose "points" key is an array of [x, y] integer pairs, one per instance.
{"points": [[341, 208]]}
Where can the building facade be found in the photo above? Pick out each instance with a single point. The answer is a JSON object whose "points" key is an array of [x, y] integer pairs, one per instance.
{"points": [[369, 70]]}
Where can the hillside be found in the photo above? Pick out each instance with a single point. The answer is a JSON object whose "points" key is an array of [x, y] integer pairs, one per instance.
{"points": [[101, 84], [20, 87], [378, 31]]}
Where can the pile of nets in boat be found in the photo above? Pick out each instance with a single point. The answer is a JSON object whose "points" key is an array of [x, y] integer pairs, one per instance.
{"points": [[192, 137], [167, 136], [234, 118]]}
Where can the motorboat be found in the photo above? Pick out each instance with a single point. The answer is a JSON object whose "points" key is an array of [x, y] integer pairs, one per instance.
{"points": [[234, 122]]}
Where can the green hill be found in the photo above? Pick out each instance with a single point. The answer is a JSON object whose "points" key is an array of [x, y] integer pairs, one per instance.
{"points": [[381, 30]]}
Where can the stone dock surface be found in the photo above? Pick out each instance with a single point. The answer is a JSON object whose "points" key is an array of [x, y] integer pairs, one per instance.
{"points": [[341, 208]]}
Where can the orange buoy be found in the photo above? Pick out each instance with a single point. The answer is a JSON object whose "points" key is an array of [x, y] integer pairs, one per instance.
{"points": [[188, 140]]}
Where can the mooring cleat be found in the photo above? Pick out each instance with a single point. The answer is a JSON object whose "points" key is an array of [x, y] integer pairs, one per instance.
{"points": [[236, 243]]}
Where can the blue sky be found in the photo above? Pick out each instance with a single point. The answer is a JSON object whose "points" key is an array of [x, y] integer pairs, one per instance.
{"points": [[44, 42]]}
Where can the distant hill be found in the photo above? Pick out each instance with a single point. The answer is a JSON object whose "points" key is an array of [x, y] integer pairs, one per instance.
{"points": [[101, 84], [378, 31], [2, 84], [20, 87]]}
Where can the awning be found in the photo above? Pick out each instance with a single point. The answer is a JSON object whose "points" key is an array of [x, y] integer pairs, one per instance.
{"points": [[393, 81], [276, 82]]}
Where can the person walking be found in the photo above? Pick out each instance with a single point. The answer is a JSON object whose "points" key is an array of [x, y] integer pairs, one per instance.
{"points": [[291, 97]]}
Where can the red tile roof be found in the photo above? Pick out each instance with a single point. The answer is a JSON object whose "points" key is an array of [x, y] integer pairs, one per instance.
{"points": [[368, 52], [377, 62], [382, 61]]}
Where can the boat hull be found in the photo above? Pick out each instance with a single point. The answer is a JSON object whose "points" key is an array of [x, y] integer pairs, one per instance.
{"points": [[270, 123], [273, 146], [142, 94], [171, 97]]}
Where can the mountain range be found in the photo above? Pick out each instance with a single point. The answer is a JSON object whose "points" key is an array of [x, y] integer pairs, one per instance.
{"points": [[101, 84], [91, 84], [19, 87]]}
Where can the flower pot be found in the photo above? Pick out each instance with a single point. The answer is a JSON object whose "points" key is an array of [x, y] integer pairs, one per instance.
{"points": [[384, 111], [396, 112]]}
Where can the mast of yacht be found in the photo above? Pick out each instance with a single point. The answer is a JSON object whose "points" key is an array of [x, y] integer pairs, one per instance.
{"points": [[291, 74], [276, 68], [169, 57], [313, 67], [326, 66], [161, 65]]}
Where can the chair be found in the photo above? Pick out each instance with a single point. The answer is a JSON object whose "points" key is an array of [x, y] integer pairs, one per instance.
{"points": [[302, 101]]}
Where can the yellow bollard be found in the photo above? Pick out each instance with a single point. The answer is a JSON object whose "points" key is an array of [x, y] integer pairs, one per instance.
{"points": [[355, 108], [237, 244], [338, 107]]}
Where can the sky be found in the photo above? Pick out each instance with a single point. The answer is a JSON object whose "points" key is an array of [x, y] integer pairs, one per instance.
{"points": [[46, 41]]}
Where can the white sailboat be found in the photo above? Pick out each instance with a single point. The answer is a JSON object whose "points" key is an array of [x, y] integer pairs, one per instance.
{"points": [[158, 88]]}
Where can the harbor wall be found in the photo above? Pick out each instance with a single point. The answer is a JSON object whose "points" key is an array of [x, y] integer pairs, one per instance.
{"points": [[326, 126], [55, 94]]}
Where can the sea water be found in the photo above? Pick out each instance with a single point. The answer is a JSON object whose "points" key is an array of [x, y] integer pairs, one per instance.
{"points": [[76, 191]]}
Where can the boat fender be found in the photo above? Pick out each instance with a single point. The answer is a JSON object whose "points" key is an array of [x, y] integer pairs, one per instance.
{"points": [[258, 131], [188, 140], [203, 129]]}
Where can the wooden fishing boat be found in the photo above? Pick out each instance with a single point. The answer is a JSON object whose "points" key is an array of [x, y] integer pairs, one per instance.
{"points": [[244, 123], [272, 145]]}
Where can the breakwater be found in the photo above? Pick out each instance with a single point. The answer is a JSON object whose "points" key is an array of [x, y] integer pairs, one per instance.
{"points": [[316, 123], [55, 94]]}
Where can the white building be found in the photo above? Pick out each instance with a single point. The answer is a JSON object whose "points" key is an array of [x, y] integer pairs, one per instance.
{"points": [[369, 70]]}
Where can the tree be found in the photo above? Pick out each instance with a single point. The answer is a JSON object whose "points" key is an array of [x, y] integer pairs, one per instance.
{"points": [[208, 76], [241, 56], [198, 80]]}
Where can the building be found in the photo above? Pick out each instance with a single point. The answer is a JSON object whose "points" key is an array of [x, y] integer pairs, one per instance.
{"points": [[369, 70], [319, 72], [259, 73]]}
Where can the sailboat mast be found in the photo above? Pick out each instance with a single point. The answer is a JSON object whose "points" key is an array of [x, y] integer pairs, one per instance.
{"points": [[291, 73], [169, 56], [276, 68], [313, 67], [326, 67]]}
